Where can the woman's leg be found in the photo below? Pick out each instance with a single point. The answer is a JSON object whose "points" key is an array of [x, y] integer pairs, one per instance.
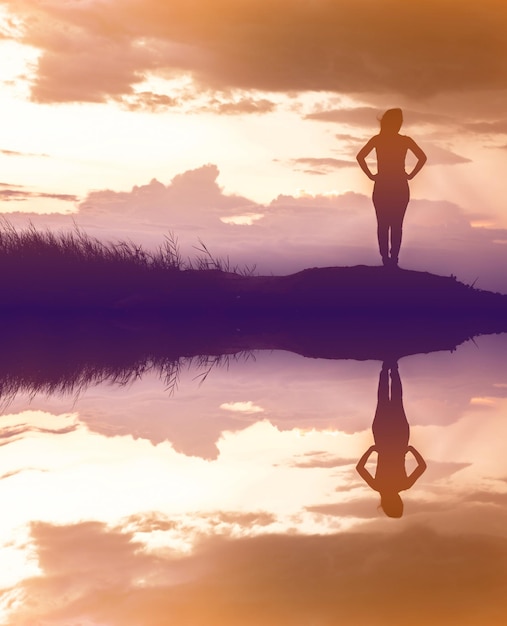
{"points": [[383, 239], [381, 208], [399, 207], [396, 234]]}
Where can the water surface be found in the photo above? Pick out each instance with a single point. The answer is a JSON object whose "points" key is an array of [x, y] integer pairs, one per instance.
{"points": [[230, 496]]}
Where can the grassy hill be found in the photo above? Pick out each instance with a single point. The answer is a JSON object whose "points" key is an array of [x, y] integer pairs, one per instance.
{"points": [[72, 272]]}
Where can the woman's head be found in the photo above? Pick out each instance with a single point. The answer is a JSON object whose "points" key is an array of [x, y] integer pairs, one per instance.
{"points": [[391, 121], [391, 504]]}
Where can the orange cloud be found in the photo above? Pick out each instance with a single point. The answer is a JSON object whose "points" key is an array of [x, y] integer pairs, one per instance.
{"points": [[95, 50], [95, 574]]}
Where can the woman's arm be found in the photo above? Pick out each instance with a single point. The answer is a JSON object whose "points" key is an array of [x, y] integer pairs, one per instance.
{"points": [[419, 470], [420, 156], [361, 158], [361, 469]]}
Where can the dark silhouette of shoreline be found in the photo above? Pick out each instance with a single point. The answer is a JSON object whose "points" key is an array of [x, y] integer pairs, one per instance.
{"points": [[75, 311]]}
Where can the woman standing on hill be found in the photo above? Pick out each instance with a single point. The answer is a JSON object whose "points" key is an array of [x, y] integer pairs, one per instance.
{"points": [[390, 193]]}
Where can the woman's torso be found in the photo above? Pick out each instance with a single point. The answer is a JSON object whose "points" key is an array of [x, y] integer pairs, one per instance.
{"points": [[391, 152]]}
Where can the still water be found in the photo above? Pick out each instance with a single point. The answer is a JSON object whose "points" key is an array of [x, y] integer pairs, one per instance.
{"points": [[229, 494]]}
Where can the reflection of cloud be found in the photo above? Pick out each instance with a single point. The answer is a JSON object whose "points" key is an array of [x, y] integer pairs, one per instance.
{"points": [[361, 508], [242, 220], [15, 426], [241, 407], [92, 573]]}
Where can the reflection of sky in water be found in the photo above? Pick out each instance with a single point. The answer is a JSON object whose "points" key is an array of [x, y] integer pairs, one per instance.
{"points": [[237, 500]]}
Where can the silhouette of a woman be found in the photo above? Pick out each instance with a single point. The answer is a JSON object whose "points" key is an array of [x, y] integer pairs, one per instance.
{"points": [[390, 193], [391, 434]]}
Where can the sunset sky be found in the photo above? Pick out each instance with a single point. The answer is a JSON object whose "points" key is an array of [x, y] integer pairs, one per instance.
{"points": [[237, 122]]}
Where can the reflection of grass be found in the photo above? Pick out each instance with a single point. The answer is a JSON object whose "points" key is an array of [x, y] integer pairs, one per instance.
{"points": [[67, 353]]}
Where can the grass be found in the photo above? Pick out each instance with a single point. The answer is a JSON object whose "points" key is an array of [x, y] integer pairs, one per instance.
{"points": [[30, 245], [73, 269]]}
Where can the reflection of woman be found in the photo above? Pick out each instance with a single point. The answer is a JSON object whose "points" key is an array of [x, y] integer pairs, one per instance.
{"points": [[391, 434], [390, 193]]}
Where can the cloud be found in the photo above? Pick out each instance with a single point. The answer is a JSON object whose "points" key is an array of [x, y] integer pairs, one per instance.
{"points": [[149, 101], [326, 165], [239, 106], [91, 573], [488, 127], [442, 156], [323, 165], [15, 153], [96, 50], [12, 192], [365, 116], [7, 195], [322, 460]]}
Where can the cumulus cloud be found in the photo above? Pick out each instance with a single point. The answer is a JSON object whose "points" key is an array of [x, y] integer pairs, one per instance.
{"points": [[194, 194], [94, 50]]}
